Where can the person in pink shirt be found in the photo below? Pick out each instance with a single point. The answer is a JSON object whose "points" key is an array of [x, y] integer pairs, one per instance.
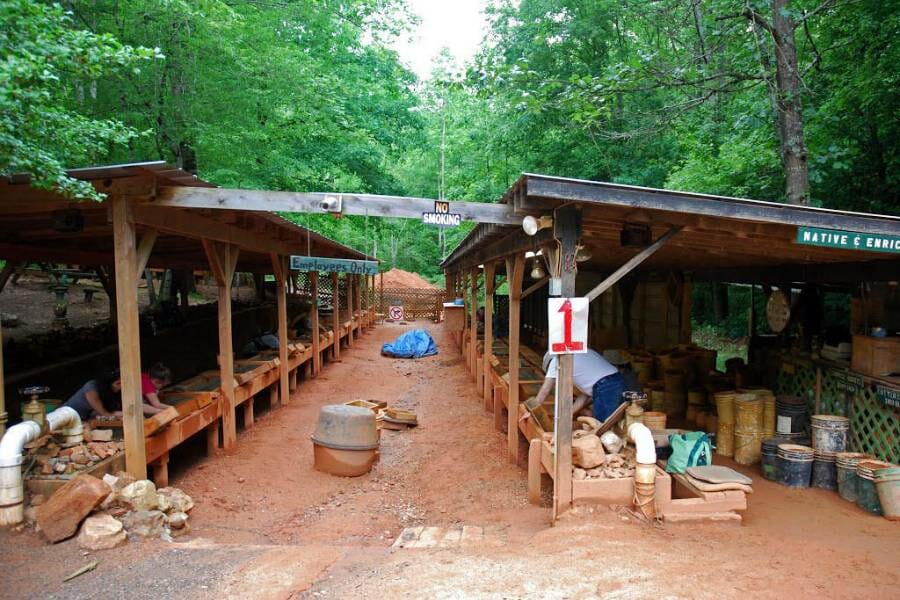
{"points": [[152, 380]]}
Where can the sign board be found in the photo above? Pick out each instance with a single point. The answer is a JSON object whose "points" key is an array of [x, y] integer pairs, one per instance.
{"points": [[848, 381], [441, 217], [888, 396], [848, 240], [568, 325], [333, 265], [395, 313]]}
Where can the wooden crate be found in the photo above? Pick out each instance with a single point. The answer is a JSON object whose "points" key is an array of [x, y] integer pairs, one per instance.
{"points": [[875, 357]]}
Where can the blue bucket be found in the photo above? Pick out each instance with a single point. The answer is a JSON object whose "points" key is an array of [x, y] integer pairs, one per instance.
{"points": [[794, 465]]}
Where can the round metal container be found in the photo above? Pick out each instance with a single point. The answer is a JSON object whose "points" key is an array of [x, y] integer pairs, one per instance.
{"points": [[344, 427]]}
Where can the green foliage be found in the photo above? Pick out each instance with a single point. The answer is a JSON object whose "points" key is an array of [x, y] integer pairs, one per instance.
{"points": [[46, 62]]}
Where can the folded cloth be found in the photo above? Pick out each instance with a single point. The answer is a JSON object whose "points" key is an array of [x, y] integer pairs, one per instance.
{"points": [[718, 474], [703, 486]]}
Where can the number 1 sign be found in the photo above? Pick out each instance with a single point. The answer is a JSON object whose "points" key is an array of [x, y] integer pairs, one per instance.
{"points": [[568, 325]]}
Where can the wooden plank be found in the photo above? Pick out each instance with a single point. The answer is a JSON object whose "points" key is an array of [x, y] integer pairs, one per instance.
{"points": [[515, 269], [535, 286], [350, 304], [144, 249], [534, 471], [128, 327], [352, 204], [633, 262], [159, 420]]}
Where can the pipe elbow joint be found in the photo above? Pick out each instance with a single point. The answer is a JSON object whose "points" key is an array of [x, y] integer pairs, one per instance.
{"points": [[645, 448]]}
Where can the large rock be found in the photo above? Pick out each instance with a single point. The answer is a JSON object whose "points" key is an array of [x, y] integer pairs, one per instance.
{"points": [[147, 523], [172, 499], [61, 514], [101, 532], [140, 495]]}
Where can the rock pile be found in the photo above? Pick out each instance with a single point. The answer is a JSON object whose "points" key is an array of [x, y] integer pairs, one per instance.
{"points": [[66, 461]]}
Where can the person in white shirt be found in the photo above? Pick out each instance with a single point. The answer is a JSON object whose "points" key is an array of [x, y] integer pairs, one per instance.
{"points": [[595, 379]]}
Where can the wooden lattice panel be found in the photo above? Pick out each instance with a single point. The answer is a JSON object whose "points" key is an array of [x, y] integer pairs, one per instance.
{"points": [[875, 427]]}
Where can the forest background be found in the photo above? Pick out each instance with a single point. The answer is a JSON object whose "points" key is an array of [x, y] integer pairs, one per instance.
{"points": [[784, 100]]}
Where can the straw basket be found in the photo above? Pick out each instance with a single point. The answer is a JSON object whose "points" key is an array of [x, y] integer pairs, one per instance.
{"points": [[725, 406]]}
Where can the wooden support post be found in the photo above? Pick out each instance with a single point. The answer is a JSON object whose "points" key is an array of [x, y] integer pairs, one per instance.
{"points": [[3, 416], [515, 270], [223, 261], [381, 307], [473, 315], [685, 332], [567, 231], [349, 279], [128, 325], [487, 384], [212, 438], [314, 318], [161, 471], [280, 267], [336, 316], [534, 470]]}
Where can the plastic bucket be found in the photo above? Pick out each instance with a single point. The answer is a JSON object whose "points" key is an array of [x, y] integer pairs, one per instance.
{"points": [[824, 471], [769, 415], [887, 484], [866, 492], [725, 439], [725, 406], [845, 468], [791, 414], [794, 465], [747, 413], [768, 453], [830, 433]]}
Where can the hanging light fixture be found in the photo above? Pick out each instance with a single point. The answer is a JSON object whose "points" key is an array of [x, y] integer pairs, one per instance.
{"points": [[537, 269], [582, 254], [532, 225]]}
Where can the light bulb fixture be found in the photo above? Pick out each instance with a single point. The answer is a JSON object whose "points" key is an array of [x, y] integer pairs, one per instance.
{"points": [[582, 254], [537, 269], [532, 225]]}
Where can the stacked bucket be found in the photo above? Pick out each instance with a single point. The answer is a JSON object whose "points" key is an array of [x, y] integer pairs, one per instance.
{"points": [[748, 428], [830, 436], [725, 428], [791, 417]]}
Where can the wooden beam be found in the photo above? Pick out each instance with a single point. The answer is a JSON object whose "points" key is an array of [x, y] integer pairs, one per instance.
{"points": [[535, 286], [633, 262], [4, 417], [336, 316], [599, 193], [567, 231], [193, 225], [350, 302], [144, 249], [515, 270], [487, 393], [314, 318], [279, 266], [129, 334], [352, 204]]}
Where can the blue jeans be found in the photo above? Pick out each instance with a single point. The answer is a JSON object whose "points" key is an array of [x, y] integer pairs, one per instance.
{"points": [[607, 395]]}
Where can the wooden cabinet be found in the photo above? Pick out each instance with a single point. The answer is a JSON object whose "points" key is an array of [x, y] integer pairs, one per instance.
{"points": [[876, 357]]}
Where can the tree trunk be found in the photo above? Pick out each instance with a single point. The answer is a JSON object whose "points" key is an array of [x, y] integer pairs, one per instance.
{"points": [[793, 144]]}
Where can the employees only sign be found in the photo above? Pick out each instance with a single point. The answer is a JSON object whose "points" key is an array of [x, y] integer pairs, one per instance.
{"points": [[568, 325]]}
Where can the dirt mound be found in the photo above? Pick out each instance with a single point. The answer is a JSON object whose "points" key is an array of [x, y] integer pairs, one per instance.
{"points": [[397, 278]]}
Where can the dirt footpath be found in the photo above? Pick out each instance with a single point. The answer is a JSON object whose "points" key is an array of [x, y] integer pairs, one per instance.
{"points": [[267, 525]]}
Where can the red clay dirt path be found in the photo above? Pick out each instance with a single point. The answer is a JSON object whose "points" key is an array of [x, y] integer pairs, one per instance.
{"points": [[267, 525]]}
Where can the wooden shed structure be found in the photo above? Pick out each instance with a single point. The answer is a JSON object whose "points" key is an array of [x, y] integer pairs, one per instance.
{"points": [[130, 230], [648, 246]]}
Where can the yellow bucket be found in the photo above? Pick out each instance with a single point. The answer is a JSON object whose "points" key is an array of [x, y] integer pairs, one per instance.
{"points": [[747, 448], [748, 413], [725, 439], [655, 420], [725, 406]]}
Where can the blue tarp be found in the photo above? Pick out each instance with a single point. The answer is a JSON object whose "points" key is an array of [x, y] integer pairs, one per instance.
{"points": [[412, 344]]}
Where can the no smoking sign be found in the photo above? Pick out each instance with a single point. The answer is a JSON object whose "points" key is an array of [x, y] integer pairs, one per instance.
{"points": [[568, 325]]}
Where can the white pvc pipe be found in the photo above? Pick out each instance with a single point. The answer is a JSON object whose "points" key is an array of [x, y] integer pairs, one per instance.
{"points": [[12, 487], [645, 449]]}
